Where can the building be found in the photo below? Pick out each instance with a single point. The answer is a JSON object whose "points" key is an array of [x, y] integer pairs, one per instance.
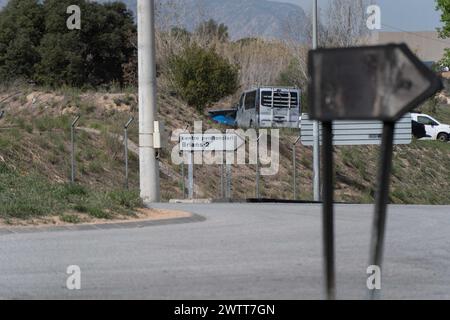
{"points": [[425, 44]]}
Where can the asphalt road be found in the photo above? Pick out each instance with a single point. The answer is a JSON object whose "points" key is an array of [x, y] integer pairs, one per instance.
{"points": [[241, 251]]}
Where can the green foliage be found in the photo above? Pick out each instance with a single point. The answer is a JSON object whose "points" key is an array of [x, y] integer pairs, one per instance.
{"points": [[21, 28], [70, 218], [35, 43], [444, 32], [32, 195], [202, 77], [126, 199], [292, 75]]}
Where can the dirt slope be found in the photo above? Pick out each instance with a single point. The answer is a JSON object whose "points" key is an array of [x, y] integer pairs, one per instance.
{"points": [[34, 137]]}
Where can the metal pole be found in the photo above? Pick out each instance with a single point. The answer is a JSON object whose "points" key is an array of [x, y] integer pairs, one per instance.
{"points": [[222, 180], [126, 158], [191, 175], [257, 191], [328, 209], [72, 148], [316, 133], [149, 166], [183, 181], [294, 176], [228, 181], [127, 125], [294, 163], [382, 197]]}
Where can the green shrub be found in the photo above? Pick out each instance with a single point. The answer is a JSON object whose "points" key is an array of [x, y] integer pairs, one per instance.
{"points": [[97, 212], [70, 218], [202, 77], [126, 199], [70, 189]]}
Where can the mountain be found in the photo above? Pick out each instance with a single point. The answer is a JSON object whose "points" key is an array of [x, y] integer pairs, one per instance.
{"points": [[244, 18]]}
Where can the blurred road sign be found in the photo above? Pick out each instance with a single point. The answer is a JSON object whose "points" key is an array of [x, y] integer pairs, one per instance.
{"points": [[354, 133], [368, 83], [363, 83], [210, 142]]}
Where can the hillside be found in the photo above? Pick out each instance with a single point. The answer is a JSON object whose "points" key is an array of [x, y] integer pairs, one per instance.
{"points": [[245, 18], [35, 142]]}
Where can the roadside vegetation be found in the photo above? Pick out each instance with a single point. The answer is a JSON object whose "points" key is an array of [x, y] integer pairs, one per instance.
{"points": [[25, 196], [197, 70]]}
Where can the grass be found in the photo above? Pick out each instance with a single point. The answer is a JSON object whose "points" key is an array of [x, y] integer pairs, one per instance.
{"points": [[25, 196]]}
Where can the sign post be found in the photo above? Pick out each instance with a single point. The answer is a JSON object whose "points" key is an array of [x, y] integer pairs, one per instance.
{"points": [[364, 83], [228, 181], [191, 175], [183, 178], [191, 143]]}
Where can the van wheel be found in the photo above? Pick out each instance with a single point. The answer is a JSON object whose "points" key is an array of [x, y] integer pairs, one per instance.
{"points": [[443, 137]]}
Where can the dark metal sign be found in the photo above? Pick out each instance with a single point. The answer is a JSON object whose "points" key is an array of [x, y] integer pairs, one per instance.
{"points": [[365, 83]]}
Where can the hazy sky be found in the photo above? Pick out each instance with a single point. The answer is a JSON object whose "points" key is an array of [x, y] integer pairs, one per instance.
{"points": [[410, 15]]}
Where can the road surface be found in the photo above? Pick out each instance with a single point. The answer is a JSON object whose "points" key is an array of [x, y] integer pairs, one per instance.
{"points": [[241, 251]]}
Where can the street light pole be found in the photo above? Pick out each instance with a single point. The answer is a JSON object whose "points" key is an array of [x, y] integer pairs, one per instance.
{"points": [[316, 133], [149, 166]]}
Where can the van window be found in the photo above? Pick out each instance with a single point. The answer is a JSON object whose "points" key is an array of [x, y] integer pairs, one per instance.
{"points": [[280, 99], [426, 121], [250, 100]]}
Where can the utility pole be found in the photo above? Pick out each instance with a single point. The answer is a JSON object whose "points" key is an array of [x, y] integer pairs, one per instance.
{"points": [[316, 133], [148, 164]]}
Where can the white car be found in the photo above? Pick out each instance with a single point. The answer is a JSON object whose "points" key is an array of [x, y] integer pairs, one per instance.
{"points": [[434, 129]]}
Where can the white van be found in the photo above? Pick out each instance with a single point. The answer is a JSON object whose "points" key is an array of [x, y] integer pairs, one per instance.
{"points": [[269, 107], [434, 129]]}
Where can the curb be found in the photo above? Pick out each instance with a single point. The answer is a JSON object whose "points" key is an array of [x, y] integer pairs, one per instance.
{"points": [[194, 218]]}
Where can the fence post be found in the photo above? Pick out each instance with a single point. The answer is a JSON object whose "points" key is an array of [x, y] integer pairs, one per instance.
{"points": [[72, 147], [125, 138], [294, 162]]}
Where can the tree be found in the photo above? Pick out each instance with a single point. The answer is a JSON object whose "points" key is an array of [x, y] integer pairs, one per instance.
{"points": [[36, 44], [21, 29], [210, 30], [344, 25], [93, 55], [202, 77], [444, 32]]}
